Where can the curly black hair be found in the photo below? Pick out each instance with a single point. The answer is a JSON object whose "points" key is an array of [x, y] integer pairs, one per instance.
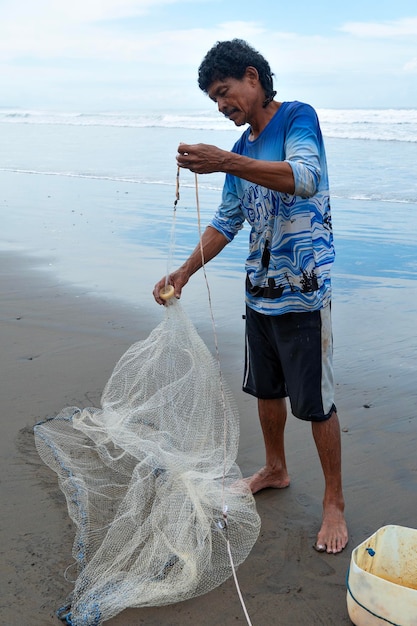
{"points": [[229, 59]]}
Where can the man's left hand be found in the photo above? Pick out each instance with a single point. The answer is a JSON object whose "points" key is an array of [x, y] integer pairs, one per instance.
{"points": [[201, 158]]}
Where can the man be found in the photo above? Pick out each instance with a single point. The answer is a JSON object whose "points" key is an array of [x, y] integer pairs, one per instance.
{"points": [[276, 179]]}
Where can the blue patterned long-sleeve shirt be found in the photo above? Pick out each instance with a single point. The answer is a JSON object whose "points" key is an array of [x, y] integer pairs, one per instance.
{"points": [[291, 241]]}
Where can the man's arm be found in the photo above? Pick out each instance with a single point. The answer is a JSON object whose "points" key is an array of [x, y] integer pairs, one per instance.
{"points": [[205, 159], [212, 242]]}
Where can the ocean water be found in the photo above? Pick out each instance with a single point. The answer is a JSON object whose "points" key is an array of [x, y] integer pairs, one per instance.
{"points": [[91, 198]]}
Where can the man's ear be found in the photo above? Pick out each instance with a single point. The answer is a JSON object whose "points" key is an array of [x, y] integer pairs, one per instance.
{"points": [[252, 74]]}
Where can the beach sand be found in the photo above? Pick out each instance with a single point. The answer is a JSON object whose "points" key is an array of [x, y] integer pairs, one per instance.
{"points": [[59, 346]]}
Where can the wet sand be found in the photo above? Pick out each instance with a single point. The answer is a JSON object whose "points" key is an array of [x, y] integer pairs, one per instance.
{"points": [[58, 348]]}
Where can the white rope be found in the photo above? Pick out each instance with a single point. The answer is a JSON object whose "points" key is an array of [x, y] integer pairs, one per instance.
{"points": [[172, 234], [216, 343]]}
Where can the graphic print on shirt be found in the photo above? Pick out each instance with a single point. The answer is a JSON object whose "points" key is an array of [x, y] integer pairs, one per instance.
{"points": [[280, 252]]}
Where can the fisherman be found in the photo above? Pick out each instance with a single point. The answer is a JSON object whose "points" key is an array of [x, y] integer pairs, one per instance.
{"points": [[276, 179]]}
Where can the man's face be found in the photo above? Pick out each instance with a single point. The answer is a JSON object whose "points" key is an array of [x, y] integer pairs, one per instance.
{"points": [[235, 98]]}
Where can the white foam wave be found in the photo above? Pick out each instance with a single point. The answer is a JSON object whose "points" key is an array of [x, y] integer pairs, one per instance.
{"points": [[370, 124], [193, 120], [366, 124], [119, 179], [364, 197], [374, 197]]}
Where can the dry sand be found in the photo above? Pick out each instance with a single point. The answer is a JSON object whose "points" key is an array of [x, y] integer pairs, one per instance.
{"points": [[58, 348]]}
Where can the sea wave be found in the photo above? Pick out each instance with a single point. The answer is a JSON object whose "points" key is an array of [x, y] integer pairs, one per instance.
{"points": [[113, 178], [387, 197], [366, 124], [370, 124], [194, 120]]}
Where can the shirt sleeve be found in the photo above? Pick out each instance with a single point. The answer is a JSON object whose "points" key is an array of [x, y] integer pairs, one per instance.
{"points": [[229, 217], [303, 150]]}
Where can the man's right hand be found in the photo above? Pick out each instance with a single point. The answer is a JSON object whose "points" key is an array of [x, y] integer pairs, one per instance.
{"points": [[177, 279]]}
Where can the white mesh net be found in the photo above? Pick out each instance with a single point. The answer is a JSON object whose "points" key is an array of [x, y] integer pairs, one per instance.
{"points": [[148, 478]]}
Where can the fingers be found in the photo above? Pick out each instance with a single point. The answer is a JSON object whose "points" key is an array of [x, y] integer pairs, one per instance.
{"points": [[183, 156], [200, 158], [162, 291], [157, 291], [190, 157], [183, 148]]}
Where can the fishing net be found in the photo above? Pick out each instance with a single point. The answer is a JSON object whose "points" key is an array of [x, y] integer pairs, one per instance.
{"points": [[151, 482]]}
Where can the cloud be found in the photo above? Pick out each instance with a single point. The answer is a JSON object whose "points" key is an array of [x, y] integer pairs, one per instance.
{"points": [[411, 66], [48, 29], [60, 12], [405, 27], [87, 48], [85, 30]]}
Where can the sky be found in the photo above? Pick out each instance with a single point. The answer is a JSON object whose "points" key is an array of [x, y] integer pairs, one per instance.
{"points": [[119, 55]]}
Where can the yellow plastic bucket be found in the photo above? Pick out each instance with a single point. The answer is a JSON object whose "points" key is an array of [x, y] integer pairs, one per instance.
{"points": [[382, 579]]}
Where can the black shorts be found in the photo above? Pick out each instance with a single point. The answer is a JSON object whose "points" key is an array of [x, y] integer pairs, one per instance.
{"points": [[291, 355]]}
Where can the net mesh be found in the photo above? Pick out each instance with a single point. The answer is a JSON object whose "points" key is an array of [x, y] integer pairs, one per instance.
{"points": [[150, 478]]}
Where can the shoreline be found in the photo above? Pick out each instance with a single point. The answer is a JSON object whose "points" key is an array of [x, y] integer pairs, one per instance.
{"points": [[60, 344]]}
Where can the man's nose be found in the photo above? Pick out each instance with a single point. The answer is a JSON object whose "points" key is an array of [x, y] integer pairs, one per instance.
{"points": [[221, 105]]}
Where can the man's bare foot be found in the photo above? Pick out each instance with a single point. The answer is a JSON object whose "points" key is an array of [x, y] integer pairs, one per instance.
{"points": [[267, 478], [333, 534]]}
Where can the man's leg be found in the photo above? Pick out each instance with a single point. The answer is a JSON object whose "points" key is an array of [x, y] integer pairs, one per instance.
{"points": [[272, 415], [333, 534]]}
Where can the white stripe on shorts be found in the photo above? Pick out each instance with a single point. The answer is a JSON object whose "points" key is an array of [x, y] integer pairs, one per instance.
{"points": [[327, 383]]}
